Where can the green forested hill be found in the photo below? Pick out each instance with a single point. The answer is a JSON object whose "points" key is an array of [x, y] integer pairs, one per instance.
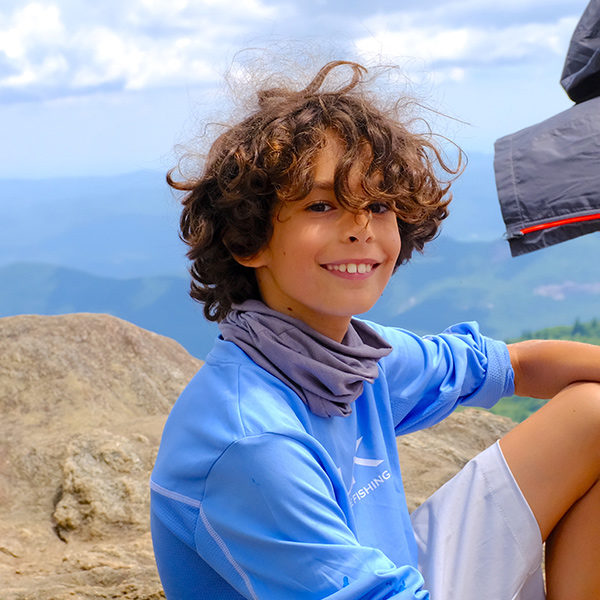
{"points": [[519, 409], [588, 332]]}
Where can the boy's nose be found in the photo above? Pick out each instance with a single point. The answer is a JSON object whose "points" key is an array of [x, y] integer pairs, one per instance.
{"points": [[358, 226]]}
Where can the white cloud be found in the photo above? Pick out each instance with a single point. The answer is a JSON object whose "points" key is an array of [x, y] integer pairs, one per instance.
{"points": [[57, 48], [560, 291], [139, 63], [188, 13], [448, 52], [24, 39], [34, 24], [151, 43]]}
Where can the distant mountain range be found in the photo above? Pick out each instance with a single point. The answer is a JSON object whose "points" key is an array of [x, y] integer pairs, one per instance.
{"points": [[480, 281], [126, 226], [110, 245], [454, 281], [160, 304], [120, 226]]}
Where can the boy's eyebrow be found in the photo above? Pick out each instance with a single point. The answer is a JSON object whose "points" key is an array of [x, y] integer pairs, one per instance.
{"points": [[323, 185]]}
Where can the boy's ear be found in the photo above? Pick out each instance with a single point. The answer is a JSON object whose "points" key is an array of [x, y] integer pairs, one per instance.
{"points": [[256, 260]]}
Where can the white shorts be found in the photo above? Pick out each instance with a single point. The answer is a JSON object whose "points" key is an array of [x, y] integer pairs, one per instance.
{"points": [[477, 536]]}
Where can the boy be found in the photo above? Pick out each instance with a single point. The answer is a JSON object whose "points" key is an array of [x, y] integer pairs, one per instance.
{"points": [[278, 474]]}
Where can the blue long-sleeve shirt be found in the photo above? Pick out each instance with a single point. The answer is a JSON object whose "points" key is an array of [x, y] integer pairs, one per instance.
{"points": [[254, 496]]}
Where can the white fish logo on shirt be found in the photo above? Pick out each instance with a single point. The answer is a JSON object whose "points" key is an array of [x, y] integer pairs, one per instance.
{"points": [[361, 462], [365, 462]]}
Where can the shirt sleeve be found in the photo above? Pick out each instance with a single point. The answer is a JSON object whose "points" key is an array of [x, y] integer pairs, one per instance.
{"points": [[273, 525], [428, 377]]}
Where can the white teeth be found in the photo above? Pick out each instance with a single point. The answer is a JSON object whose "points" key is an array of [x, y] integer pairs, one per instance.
{"points": [[351, 268]]}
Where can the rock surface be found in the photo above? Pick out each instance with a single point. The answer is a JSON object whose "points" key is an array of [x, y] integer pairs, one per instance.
{"points": [[83, 400], [432, 456]]}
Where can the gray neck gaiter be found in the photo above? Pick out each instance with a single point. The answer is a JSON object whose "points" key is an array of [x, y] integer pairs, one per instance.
{"points": [[326, 374]]}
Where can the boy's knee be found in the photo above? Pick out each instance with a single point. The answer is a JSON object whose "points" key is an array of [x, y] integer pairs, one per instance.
{"points": [[585, 393], [580, 403]]}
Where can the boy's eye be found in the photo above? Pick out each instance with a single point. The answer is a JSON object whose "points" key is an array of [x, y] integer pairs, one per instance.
{"points": [[319, 207], [378, 207]]}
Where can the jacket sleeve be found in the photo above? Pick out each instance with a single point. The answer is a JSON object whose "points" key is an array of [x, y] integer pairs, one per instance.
{"points": [[273, 525], [428, 377]]}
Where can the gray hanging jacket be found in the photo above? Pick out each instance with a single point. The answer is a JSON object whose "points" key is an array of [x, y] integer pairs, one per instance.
{"points": [[548, 175]]}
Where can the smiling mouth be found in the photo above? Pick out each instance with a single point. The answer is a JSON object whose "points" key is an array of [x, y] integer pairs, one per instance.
{"points": [[352, 267]]}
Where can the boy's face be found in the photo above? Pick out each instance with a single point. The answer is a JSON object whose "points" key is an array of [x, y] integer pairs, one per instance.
{"points": [[323, 263]]}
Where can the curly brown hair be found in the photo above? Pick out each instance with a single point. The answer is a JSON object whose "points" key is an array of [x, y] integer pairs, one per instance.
{"points": [[268, 158]]}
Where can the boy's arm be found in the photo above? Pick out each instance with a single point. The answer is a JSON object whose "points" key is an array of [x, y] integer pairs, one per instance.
{"points": [[545, 367]]}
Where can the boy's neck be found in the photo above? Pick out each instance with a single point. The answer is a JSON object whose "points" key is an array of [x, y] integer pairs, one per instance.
{"points": [[331, 326]]}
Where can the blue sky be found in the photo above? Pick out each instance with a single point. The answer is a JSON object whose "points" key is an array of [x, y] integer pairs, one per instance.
{"points": [[90, 87]]}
